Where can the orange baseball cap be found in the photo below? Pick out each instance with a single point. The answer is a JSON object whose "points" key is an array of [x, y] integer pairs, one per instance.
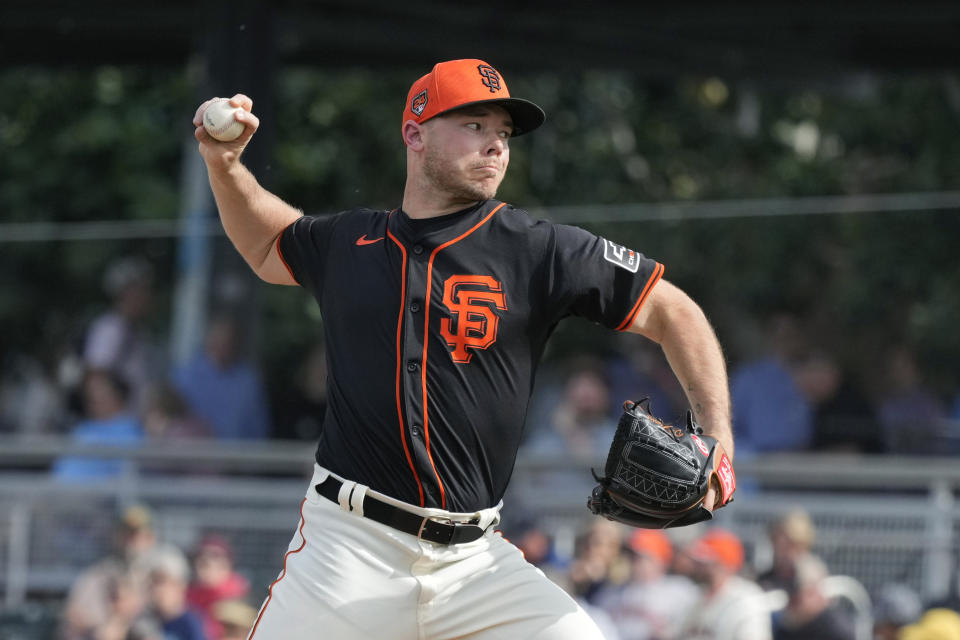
{"points": [[461, 83], [718, 546], [652, 542]]}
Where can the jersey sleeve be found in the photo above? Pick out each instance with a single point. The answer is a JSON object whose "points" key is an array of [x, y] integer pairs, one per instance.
{"points": [[596, 279], [304, 245]]}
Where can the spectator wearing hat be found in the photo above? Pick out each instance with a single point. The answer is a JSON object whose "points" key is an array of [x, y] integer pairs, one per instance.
{"points": [[935, 624], [729, 605], [235, 618], [651, 602], [118, 582], [791, 536], [214, 581], [169, 575], [809, 612], [894, 607]]}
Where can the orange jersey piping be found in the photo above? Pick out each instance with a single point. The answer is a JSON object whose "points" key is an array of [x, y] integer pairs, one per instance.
{"points": [[280, 253], [426, 342], [403, 302], [654, 279]]}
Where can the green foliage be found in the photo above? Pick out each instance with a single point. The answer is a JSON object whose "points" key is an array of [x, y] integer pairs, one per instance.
{"points": [[98, 145], [108, 143], [81, 145], [339, 139]]}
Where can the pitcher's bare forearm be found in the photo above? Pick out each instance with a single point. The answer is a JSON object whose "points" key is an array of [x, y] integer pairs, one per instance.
{"points": [[696, 359], [252, 216], [688, 341]]}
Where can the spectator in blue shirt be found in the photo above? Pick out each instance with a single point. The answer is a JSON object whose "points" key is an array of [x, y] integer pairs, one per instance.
{"points": [[222, 388], [769, 411], [108, 421], [911, 413], [169, 575]]}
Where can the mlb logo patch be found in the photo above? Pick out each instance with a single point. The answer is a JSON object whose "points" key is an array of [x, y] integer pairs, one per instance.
{"points": [[621, 256], [419, 103]]}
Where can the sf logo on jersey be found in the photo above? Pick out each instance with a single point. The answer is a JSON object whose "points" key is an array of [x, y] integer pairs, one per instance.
{"points": [[473, 324]]}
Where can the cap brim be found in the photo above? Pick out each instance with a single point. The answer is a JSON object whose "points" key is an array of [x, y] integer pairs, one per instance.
{"points": [[526, 115]]}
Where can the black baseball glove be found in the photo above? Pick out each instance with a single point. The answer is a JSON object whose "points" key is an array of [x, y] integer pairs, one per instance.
{"points": [[657, 475]]}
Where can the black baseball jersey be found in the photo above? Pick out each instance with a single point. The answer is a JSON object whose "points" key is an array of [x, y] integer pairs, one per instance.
{"points": [[434, 329]]}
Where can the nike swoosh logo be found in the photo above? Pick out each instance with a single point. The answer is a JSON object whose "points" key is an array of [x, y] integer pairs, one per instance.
{"points": [[362, 240]]}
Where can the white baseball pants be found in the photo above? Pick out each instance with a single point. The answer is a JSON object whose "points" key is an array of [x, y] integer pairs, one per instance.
{"points": [[346, 577]]}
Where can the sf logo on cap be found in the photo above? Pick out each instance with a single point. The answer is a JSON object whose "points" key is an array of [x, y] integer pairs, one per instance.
{"points": [[419, 102], [490, 77]]}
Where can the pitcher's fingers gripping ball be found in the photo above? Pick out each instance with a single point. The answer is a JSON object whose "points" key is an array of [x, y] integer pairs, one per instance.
{"points": [[220, 121], [658, 475]]}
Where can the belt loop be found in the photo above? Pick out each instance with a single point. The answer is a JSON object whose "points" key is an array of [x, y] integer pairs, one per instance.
{"points": [[346, 491], [356, 498]]}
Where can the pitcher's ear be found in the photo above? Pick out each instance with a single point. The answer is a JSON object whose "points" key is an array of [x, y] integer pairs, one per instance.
{"points": [[413, 135]]}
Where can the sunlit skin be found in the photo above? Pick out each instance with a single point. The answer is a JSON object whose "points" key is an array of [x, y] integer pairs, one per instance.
{"points": [[456, 159]]}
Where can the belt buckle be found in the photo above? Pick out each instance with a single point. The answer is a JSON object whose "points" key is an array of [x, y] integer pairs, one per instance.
{"points": [[438, 520]]}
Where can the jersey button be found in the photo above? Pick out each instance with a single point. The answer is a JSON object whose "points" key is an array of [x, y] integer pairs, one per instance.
{"points": [[417, 249], [415, 430], [414, 306], [412, 366]]}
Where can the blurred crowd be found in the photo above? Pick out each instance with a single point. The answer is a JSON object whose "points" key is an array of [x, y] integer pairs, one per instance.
{"points": [[111, 387], [697, 583], [111, 384], [146, 589], [701, 583], [792, 396]]}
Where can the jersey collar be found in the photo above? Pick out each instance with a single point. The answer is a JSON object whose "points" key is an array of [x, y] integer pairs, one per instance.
{"points": [[439, 228]]}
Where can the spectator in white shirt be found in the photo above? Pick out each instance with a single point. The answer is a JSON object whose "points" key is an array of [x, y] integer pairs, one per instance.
{"points": [[652, 600], [730, 607]]}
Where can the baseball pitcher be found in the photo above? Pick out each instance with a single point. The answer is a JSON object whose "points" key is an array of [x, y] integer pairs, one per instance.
{"points": [[435, 315]]}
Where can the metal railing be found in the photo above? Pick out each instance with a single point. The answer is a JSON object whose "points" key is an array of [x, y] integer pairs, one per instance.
{"points": [[879, 519]]}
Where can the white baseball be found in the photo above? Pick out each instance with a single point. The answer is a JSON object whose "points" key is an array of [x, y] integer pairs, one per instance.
{"points": [[220, 121]]}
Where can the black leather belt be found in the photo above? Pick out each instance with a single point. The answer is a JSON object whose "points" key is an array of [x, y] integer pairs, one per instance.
{"points": [[429, 528]]}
